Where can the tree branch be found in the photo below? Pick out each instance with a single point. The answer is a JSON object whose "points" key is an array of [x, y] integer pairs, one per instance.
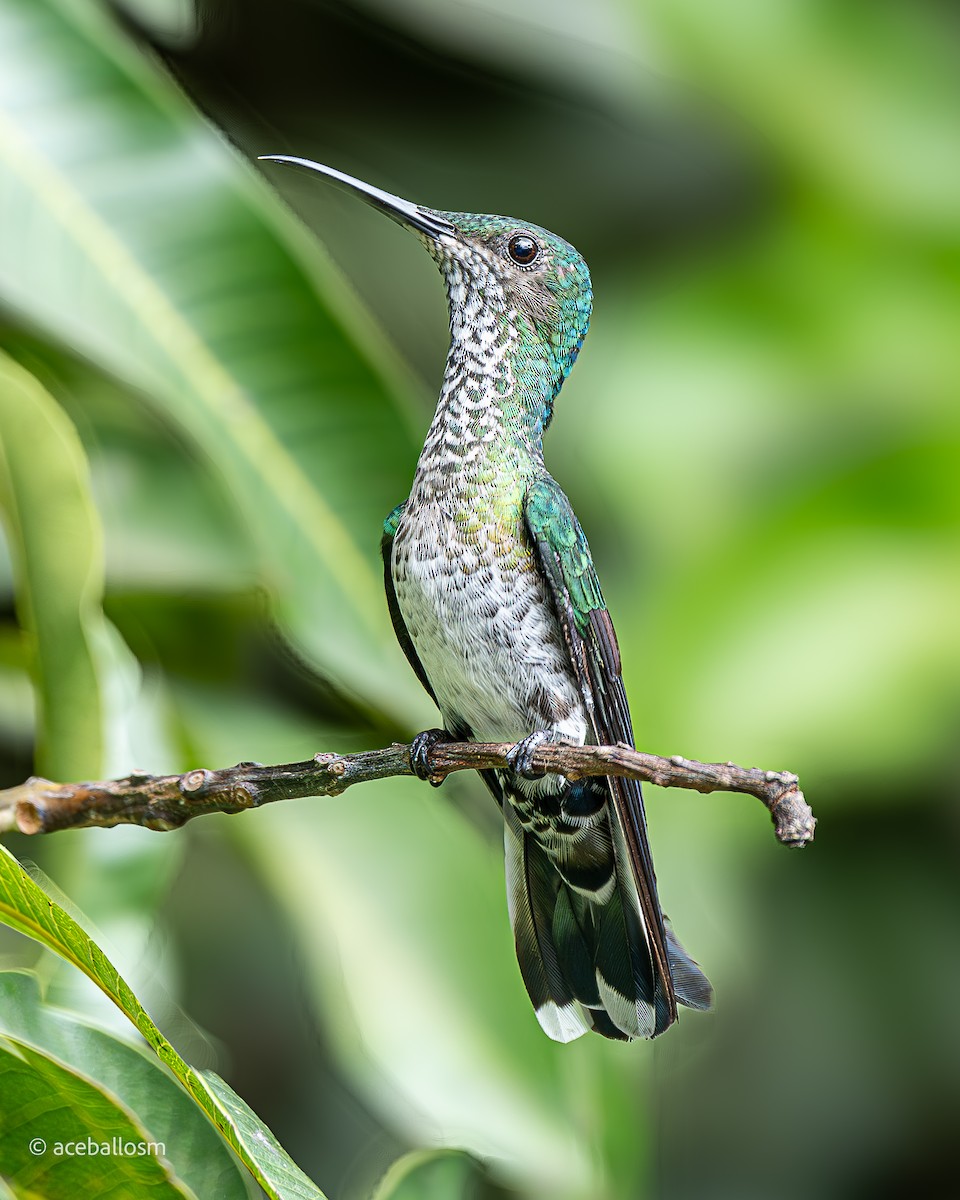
{"points": [[169, 801]]}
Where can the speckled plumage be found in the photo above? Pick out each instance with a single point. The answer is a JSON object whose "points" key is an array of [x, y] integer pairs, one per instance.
{"points": [[496, 604], [466, 580]]}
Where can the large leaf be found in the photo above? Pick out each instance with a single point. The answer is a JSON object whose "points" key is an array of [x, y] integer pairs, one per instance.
{"points": [[135, 1078], [55, 539], [62, 1136], [167, 524], [143, 242], [26, 908]]}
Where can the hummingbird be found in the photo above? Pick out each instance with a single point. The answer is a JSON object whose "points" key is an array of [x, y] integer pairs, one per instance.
{"points": [[496, 604]]}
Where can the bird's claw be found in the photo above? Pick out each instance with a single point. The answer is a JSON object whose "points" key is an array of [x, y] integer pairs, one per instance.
{"points": [[520, 758], [420, 750]]}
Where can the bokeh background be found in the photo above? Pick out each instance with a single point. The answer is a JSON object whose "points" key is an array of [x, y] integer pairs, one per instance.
{"points": [[761, 441]]}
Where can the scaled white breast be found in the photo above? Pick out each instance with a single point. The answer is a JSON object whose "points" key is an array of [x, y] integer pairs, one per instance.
{"points": [[487, 638], [474, 606]]}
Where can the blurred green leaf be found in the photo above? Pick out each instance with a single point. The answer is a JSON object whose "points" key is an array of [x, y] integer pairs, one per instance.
{"points": [[166, 1113], [167, 524], [26, 908], [432, 1175], [55, 536], [45, 1103], [587, 47], [864, 109], [220, 727], [16, 690], [149, 247], [171, 22]]}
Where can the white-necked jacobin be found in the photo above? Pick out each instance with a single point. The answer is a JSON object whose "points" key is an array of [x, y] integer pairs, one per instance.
{"points": [[497, 606]]}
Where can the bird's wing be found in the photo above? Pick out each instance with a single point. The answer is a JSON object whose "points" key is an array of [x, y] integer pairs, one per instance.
{"points": [[399, 628], [565, 560]]}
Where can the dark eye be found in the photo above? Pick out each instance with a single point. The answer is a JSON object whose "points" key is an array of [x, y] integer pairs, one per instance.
{"points": [[523, 249]]}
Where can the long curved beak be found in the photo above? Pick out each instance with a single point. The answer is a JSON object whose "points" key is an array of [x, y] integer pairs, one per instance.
{"points": [[411, 216]]}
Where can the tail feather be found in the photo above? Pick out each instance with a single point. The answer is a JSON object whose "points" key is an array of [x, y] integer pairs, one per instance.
{"points": [[533, 886], [585, 955], [689, 982], [624, 979], [573, 948], [652, 1009], [605, 1027]]}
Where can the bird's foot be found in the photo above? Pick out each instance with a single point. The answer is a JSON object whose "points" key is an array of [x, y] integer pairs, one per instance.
{"points": [[520, 758], [420, 750]]}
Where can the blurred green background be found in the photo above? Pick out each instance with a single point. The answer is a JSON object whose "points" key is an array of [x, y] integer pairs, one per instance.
{"points": [[205, 416]]}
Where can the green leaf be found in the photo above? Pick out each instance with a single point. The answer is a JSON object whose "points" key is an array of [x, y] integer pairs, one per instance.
{"points": [[432, 1175], [134, 1078], [56, 544], [26, 908], [167, 524], [145, 243], [61, 1135]]}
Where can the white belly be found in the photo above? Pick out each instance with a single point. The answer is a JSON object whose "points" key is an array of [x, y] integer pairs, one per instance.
{"points": [[481, 623]]}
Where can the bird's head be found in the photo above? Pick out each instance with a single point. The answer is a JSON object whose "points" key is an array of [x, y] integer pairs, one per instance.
{"points": [[523, 273], [502, 275]]}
